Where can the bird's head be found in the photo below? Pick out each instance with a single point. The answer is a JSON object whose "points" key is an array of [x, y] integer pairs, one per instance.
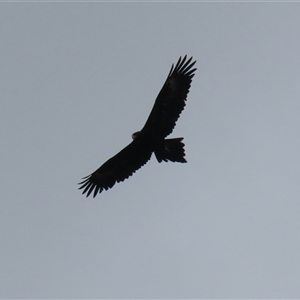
{"points": [[134, 135]]}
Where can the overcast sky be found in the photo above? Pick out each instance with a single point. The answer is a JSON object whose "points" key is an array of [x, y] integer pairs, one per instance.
{"points": [[77, 79]]}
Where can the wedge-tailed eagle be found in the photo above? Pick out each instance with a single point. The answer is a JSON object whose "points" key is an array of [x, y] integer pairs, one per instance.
{"points": [[168, 105]]}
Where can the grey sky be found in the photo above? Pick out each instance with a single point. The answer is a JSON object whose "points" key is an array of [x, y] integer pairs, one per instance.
{"points": [[77, 79]]}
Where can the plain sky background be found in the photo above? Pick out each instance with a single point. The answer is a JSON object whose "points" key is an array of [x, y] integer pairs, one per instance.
{"points": [[77, 79]]}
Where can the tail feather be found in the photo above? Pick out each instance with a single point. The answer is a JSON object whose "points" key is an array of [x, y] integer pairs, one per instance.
{"points": [[173, 150]]}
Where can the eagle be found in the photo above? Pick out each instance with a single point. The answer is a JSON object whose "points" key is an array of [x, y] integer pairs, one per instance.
{"points": [[167, 108]]}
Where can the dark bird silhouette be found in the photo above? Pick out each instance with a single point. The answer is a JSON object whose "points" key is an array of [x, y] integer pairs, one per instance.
{"points": [[168, 105]]}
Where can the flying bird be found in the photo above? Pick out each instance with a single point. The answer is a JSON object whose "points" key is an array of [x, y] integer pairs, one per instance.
{"points": [[167, 108]]}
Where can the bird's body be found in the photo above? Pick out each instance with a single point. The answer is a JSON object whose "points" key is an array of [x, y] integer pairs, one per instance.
{"points": [[152, 138]]}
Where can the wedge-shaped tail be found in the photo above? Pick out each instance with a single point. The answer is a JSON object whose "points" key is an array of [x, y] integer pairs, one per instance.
{"points": [[172, 150]]}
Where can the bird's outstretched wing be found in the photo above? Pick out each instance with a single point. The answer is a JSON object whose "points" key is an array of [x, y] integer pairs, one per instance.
{"points": [[117, 168], [171, 99]]}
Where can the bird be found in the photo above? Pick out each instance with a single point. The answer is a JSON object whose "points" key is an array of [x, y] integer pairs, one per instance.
{"points": [[167, 108]]}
